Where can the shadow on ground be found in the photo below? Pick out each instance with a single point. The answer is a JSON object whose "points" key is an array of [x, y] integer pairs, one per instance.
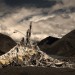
{"points": [[36, 71]]}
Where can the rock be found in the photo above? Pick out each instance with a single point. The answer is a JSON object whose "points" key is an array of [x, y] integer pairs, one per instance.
{"points": [[59, 64]]}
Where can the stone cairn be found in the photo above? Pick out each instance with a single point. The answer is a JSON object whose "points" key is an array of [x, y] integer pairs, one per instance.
{"points": [[26, 53]]}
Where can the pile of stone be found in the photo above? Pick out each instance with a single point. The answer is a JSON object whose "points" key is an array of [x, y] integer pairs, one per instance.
{"points": [[24, 56], [27, 53]]}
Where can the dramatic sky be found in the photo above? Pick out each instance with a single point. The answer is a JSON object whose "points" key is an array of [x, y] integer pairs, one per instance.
{"points": [[50, 17]]}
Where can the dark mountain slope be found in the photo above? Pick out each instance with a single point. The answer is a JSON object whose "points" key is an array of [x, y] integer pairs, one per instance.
{"points": [[63, 47], [6, 43], [47, 41]]}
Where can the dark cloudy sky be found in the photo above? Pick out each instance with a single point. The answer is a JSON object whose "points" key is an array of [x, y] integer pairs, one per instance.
{"points": [[48, 16]]}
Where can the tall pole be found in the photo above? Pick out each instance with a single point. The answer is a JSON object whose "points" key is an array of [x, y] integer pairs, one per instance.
{"points": [[28, 34]]}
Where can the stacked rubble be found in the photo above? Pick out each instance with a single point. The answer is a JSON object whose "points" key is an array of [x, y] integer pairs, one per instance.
{"points": [[29, 54]]}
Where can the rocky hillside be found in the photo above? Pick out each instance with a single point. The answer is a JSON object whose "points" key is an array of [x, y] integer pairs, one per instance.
{"points": [[64, 47]]}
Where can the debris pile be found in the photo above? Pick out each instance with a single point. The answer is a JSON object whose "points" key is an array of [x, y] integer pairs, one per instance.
{"points": [[26, 53], [30, 56]]}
